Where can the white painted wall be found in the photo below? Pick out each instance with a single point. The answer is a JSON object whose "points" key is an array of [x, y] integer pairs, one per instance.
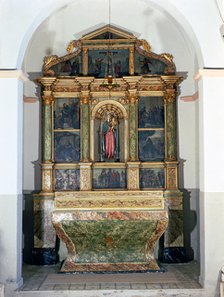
{"points": [[11, 114]]}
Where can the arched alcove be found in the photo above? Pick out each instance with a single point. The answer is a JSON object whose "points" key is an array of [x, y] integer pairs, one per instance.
{"points": [[98, 116], [188, 87], [50, 35]]}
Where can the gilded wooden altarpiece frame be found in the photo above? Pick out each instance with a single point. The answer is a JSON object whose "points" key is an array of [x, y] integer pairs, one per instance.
{"points": [[148, 193]]}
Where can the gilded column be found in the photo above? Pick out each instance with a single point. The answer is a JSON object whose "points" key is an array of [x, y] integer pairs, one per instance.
{"points": [[170, 115], [85, 137], [131, 61], [133, 101], [47, 163], [173, 240], [85, 61], [44, 252]]}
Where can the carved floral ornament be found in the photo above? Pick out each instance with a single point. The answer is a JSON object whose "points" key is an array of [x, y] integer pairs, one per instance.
{"points": [[48, 99], [85, 99], [170, 96]]}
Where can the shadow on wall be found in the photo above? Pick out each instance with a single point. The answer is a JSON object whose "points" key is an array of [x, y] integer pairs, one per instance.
{"points": [[28, 227], [190, 217], [190, 221]]}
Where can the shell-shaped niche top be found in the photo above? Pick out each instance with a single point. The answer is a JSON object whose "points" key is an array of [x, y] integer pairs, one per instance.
{"points": [[108, 51]]}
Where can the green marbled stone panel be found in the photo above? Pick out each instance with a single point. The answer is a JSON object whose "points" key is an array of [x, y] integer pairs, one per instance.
{"points": [[109, 241], [85, 131], [47, 133], [171, 130], [174, 233]]}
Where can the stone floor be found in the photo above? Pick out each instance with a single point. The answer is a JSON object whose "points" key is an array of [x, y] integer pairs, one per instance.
{"points": [[177, 280], [179, 276]]}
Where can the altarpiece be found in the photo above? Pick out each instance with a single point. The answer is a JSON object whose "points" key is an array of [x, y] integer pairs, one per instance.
{"points": [[109, 155]]}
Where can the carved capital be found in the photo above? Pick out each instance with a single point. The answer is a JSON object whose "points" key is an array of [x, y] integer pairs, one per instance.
{"points": [[133, 98], [169, 96], [85, 99], [47, 99]]}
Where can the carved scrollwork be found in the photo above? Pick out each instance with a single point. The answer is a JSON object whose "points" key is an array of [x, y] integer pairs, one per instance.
{"points": [[172, 178], [85, 179], [146, 46], [168, 57], [71, 46], [49, 59], [133, 183]]}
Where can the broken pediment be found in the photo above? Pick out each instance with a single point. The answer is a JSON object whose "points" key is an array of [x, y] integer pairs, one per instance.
{"points": [[109, 51]]}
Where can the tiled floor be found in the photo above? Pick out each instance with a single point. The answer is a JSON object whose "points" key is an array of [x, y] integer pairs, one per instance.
{"points": [[48, 278]]}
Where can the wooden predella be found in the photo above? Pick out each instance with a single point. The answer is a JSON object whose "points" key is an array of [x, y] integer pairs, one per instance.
{"points": [[109, 155]]}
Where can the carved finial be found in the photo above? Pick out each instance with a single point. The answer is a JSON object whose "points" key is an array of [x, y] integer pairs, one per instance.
{"points": [[168, 57], [146, 46]]}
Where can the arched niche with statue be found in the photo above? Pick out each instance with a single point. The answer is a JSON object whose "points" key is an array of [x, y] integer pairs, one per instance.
{"points": [[109, 155]]}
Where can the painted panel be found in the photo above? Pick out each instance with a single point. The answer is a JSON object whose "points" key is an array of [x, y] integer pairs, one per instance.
{"points": [[66, 113], [103, 62], [151, 112], [109, 178], [67, 179], [72, 67], [145, 65], [152, 178], [151, 145], [66, 147]]}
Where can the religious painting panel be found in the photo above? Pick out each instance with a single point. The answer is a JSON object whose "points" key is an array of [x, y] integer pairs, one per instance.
{"points": [[152, 178], [66, 113], [109, 178], [103, 62], [67, 179], [66, 147], [151, 145], [151, 112], [72, 67], [146, 65]]}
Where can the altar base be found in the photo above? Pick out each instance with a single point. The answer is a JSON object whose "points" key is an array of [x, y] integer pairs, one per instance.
{"points": [[110, 239]]}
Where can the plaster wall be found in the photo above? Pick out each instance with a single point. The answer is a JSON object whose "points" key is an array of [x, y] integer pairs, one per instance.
{"points": [[32, 145], [11, 113], [185, 14]]}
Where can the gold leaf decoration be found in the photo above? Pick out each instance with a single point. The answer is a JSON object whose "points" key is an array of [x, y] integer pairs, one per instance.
{"points": [[72, 44], [168, 57], [49, 59], [146, 46]]}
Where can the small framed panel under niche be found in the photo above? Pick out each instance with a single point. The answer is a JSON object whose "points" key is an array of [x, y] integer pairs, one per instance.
{"points": [[152, 176], [109, 176], [66, 178]]}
